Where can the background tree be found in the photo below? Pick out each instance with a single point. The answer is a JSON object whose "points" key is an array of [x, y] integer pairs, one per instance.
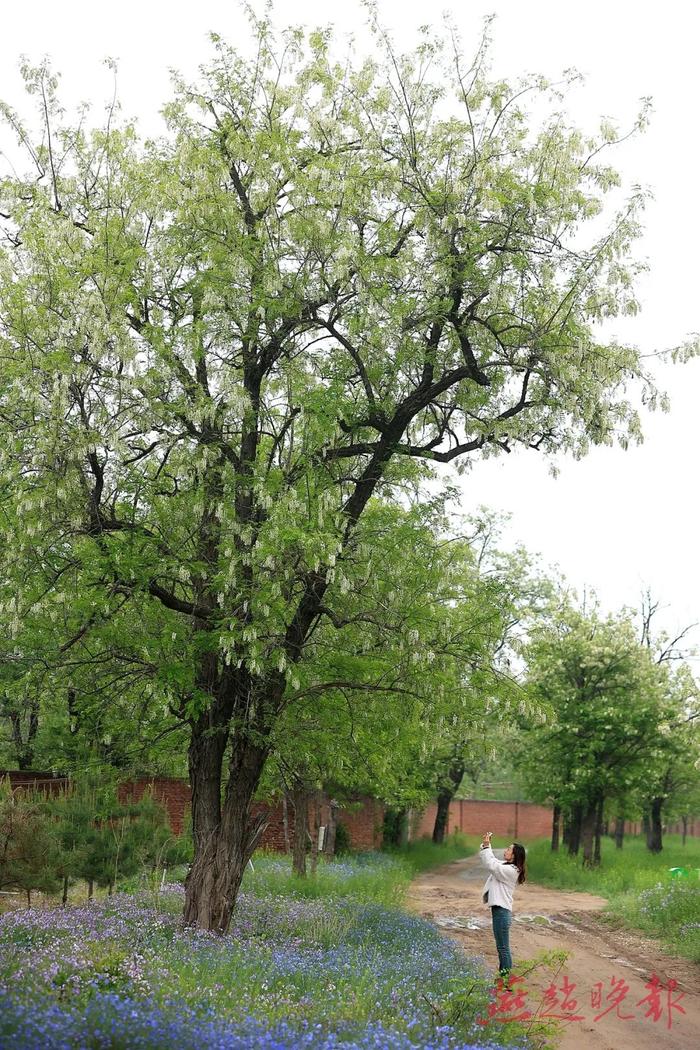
{"points": [[29, 850], [672, 779], [674, 774], [605, 698], [217, 349]]}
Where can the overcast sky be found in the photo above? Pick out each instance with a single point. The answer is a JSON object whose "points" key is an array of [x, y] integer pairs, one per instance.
{"points": [[615, 521]]}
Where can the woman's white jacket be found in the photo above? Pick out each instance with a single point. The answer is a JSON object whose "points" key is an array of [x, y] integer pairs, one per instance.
{"points": [[501, 882]]}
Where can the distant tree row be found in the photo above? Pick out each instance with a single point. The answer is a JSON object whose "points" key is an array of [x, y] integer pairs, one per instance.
{"points": [[615, 734]]}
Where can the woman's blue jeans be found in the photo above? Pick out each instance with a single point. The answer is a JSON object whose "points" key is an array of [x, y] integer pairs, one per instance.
{"points": [[502, 918]]}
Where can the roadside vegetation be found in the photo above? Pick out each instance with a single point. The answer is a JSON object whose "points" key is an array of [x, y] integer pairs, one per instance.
{"points": [[339, 967], [639, 885], [422, 854]]}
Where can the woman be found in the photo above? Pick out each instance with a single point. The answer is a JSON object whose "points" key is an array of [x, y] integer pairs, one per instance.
{"points": [[498, 893]]}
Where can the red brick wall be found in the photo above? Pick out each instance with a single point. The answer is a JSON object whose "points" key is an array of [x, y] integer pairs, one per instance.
{"points": [[521, 820], [364, 824], [173, 792], [40, 781]]}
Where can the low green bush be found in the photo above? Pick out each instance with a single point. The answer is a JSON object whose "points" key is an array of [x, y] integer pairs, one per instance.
{"points": [[670, 910]]}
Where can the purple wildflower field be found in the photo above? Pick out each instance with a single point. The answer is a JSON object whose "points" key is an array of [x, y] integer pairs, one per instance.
{"points": [[331, 972]]}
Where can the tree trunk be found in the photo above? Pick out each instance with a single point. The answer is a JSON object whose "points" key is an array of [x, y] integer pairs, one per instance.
{"points": [[447, 792], [29, 898], [24, 746], [655, 833], [91, 888], [64, 898], [300, 799], [588, 828], [619, 830], [441, 817], [315, 828], [574, 830], [395, 820], [285, 823], [225, 834], [329, 845], [598, 831], [556, 817], [684, 818]]}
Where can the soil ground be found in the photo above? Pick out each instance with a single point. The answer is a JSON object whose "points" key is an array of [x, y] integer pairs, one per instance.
{"points": [[546, 919]]}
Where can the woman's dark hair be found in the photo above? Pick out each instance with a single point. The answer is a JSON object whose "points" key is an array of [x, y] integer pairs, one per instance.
{"points": [[519, 861]]}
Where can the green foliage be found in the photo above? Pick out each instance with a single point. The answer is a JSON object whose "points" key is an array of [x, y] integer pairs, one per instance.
{"points": [[29, 850], [232, 356], [638, 885], [418, 301], [603, 695], [342, 839], [124, 838], [83, 833], [473, 999]]}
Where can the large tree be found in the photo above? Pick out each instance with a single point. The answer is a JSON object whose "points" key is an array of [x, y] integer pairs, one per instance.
{"points": [[218, 347], [607, 706]]}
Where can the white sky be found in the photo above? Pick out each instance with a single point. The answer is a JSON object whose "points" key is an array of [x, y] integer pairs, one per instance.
{"points": [[615, 521]]}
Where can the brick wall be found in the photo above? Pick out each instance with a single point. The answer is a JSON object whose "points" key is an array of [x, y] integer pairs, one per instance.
{"points": [[173, 792], [35, 779], [365, 824], [517, 820], [522, 820]]}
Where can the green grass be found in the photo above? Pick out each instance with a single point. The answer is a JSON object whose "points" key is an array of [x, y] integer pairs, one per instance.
{"points": [[423, 854], [304, 960], [670, 911], [633, 868], [381, 878], [640, 889]]}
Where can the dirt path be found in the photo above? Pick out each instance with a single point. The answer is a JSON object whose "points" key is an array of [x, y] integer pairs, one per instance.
{"points": [[546, 919]]}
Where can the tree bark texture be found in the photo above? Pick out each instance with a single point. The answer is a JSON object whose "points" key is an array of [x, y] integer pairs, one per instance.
{"points": [[285, 823], [300, 798], [447, 792], [329, 845], [225, 832], [655, 831], [598, 831], [588, 829], [556, 818], [619, 830], [441, 816], [573, 834], [315, 828]]}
